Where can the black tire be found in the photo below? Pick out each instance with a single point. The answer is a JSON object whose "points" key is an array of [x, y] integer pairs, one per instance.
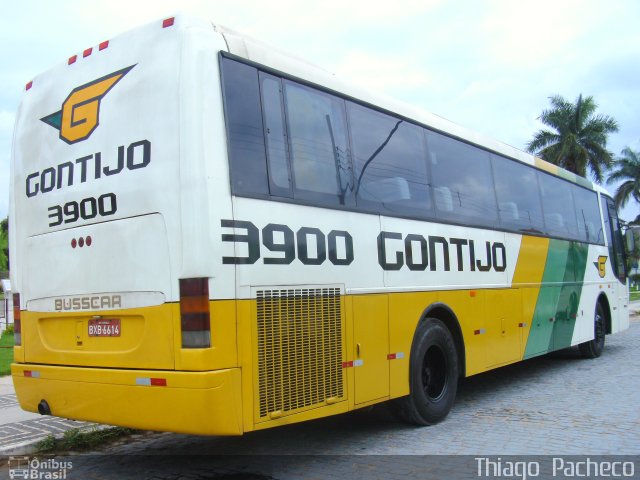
{"points": [[433, 375], [593, 348]]}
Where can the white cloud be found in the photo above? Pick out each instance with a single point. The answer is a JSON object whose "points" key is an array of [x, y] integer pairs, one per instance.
{"points": [[7, 120], [489, 65]]}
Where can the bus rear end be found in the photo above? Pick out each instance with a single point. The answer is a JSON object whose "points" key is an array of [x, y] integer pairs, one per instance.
{"points": [[112, 307]]}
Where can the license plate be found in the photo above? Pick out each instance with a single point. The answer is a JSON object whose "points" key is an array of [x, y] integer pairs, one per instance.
{"points": [[104, 327]]}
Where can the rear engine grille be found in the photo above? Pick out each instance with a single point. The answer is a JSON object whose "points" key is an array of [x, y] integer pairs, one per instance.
{"points": [[299, 349]]}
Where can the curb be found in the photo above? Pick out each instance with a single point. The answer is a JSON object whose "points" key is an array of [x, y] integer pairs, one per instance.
{"points": [[27, 447]]}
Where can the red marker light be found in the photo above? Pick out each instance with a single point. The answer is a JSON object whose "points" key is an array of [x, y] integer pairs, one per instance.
{"points": [[29, 85], [103, 45], [88, 241], [168, 22], [72, 60], [81, 242], [74, 243], [87, 52]]}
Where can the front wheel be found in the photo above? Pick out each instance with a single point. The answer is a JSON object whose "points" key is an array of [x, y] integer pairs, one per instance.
{"points": [[433, 375], [593, 348]]}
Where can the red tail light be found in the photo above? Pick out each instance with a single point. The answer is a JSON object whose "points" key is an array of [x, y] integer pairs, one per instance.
{"points": [[194, 313], [17, 324]]}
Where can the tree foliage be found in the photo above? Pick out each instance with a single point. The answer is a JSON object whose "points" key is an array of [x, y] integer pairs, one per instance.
{"points": [[626, 169], [577, 138]]}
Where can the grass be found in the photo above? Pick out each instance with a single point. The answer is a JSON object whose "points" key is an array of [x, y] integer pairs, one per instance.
{"points": [[76, 440], [633, 296], [6, 354]]}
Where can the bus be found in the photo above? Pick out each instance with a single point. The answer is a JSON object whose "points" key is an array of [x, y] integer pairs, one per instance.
{"points": [[211, 236]]}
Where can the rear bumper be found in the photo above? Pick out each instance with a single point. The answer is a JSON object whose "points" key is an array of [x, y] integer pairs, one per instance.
{"points": [[204, 403]]}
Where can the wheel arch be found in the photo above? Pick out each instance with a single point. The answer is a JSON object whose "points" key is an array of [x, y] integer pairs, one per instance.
{"points": [[604, 301], [445, 314]]}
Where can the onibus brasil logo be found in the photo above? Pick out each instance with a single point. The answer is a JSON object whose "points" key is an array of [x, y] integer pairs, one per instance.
{"points": [[80, 113]]}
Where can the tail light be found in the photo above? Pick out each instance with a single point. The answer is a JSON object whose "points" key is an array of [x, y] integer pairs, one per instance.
{"points": [[194, 313], [17, 324]]}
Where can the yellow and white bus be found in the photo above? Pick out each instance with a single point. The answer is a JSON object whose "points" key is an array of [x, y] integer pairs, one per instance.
{"points": [[209, 236]]}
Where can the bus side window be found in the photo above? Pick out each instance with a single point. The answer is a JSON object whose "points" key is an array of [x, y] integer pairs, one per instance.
{"points": [[389, 160], [614, 238], [275, 135], [588, 213], [518, 195], [247, 159], [320, 161], [559, 214], [463, 181]]}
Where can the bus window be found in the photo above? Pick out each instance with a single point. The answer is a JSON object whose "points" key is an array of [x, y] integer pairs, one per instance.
{"points": [[559, 215], [245, 130], [614, 236], [518, 195], [463, 186], [275, 135], [588, 213], [389, 160], [318, 138]]}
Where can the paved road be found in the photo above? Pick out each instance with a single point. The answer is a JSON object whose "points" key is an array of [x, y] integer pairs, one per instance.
{"points": [[555, 405], [20, 429]]}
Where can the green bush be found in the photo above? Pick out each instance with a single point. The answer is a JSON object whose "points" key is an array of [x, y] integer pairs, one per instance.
{"points": [[8, 331]]}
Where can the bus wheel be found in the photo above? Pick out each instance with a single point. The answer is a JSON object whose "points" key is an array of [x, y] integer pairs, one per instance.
{"points": [[593, 348], [433, 375]]}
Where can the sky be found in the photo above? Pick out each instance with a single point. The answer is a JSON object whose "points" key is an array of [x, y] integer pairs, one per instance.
{"points": [[488, 65]]}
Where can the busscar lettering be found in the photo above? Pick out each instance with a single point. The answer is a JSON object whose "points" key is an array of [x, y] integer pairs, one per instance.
{"points": [[133, 157], [89, 302]]}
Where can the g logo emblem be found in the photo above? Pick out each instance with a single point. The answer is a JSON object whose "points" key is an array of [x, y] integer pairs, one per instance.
{"points": [[601, 265], [80, 114]]}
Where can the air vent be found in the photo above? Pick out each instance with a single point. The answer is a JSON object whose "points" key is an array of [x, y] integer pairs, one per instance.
{"points": [[299, 349]]}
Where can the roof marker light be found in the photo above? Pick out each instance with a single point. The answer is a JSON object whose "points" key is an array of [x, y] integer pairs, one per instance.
{"points": [[103, 45], [29, 85], [87, 52], [72, 60], [168, 22]]}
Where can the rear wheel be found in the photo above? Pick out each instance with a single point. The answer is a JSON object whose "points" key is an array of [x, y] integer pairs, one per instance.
{"points": [[593, 348], [433, 375]]}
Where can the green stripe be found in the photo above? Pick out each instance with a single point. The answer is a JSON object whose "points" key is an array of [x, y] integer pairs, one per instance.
{"points": [[554, 318], [567, 309]]}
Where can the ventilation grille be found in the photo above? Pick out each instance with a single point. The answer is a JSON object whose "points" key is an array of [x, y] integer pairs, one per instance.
{"points": [[299, 349]]}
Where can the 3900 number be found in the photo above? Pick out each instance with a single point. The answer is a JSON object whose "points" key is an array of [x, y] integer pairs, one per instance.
{"points": [[86, 209]]}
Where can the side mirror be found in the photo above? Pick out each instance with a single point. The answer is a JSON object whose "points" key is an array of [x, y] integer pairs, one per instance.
{"points": [[630, 239]]}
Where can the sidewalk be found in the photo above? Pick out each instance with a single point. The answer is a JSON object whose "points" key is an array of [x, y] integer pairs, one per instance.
{"points": [[20, 430]]}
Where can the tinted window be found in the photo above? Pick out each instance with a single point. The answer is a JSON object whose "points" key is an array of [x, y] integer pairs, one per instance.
{"points": [[245, 131], [616, 245], [275, 135], [518, 196], [462, 181], [588, 213], [389, 161], [559, 215], [319, 154]]}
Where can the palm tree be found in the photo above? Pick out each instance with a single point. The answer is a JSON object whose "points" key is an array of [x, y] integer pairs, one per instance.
{"points": [[626, 169], [579, 137]]}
